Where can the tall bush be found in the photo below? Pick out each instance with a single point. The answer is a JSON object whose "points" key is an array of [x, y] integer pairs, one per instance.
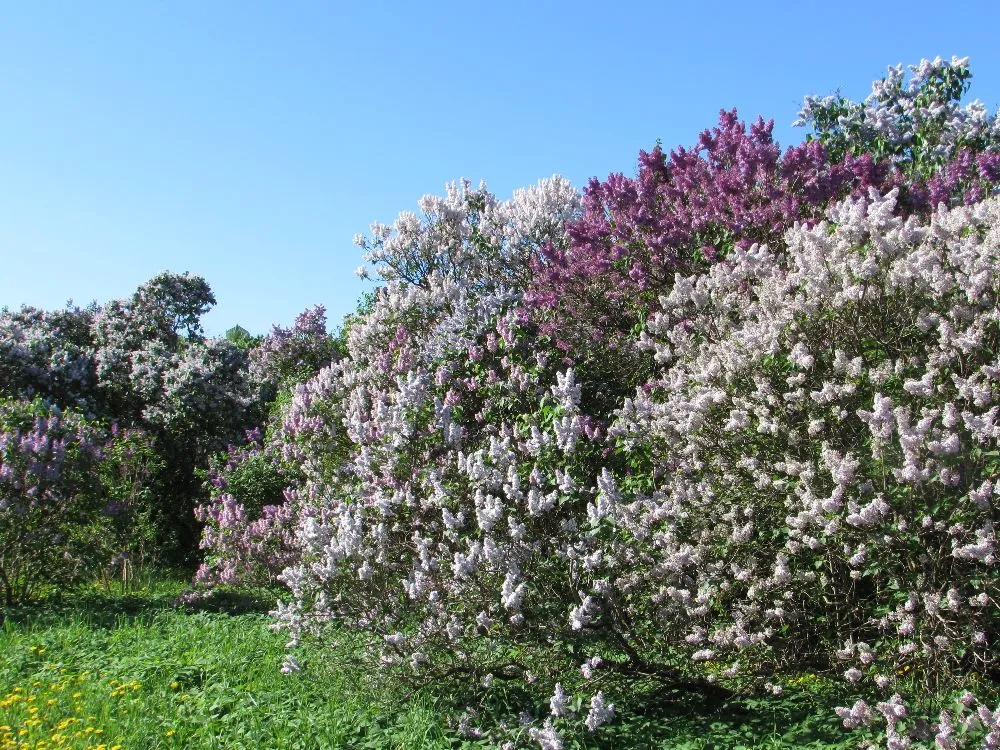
{"points": [[49, 496], [733, 421]]}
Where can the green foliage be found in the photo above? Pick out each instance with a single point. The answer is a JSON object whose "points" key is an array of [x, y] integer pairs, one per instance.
{"points": [[255, 482], [141, 673], [129, 539], [242, 338]]}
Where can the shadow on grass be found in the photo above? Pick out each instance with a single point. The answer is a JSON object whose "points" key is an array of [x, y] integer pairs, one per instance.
{"points": [[107, 608], [664, 718], [655, 715]]}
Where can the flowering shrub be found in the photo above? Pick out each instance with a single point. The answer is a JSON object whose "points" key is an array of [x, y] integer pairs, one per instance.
{"points": [[936, 150], [142, 363], [484, 245], [827, 416], [247, 538], [157, 372], [47, 354], [734, 420], [293, 355], [916, 123], [48, 495]]}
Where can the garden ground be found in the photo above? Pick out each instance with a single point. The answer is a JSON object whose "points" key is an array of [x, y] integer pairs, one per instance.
{"points": [[100, 670]]}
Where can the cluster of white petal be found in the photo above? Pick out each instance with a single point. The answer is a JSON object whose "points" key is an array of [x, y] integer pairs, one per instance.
{"points": [[898, 108]]}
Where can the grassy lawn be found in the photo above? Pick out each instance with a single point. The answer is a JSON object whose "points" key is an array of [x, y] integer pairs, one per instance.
{"points": [[96, 670]]}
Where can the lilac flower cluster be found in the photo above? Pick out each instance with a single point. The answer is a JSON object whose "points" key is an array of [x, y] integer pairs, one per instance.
{"points": [[246, 538], [294, 354]]}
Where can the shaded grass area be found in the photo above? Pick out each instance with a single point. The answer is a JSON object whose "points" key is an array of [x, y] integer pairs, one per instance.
{"points": [[96, 670], [802, 718]]}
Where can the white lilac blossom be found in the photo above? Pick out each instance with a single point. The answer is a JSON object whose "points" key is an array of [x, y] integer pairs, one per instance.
{"points": [[896, 111], [600, 712], [547, 737], [557, 703], [582, 615], [588, 667], [917, 419], [860, 714]]}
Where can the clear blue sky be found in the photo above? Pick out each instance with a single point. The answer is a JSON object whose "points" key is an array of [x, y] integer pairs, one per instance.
{"points": [[249, 141]]}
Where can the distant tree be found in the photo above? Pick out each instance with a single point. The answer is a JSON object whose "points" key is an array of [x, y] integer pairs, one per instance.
{"points": [[242, 338]]}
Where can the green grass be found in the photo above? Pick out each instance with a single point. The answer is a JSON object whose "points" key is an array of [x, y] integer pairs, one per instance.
{"points": [[96, 670], [142, 674]]}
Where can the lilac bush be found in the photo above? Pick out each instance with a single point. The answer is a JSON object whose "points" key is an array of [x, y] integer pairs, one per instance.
{"points": [[49, 495], [142, 363], [938, 150], [916, 122], [292, 355], [827, 416], [728, 421], [47, 354], [247, 537], [157, 372]]}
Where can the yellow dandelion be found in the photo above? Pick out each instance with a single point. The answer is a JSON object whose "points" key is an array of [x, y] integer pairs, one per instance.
{"points": [[169, 733]]}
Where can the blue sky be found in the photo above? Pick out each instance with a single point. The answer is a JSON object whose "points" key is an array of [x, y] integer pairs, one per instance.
{"points": [[248, 142]]}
